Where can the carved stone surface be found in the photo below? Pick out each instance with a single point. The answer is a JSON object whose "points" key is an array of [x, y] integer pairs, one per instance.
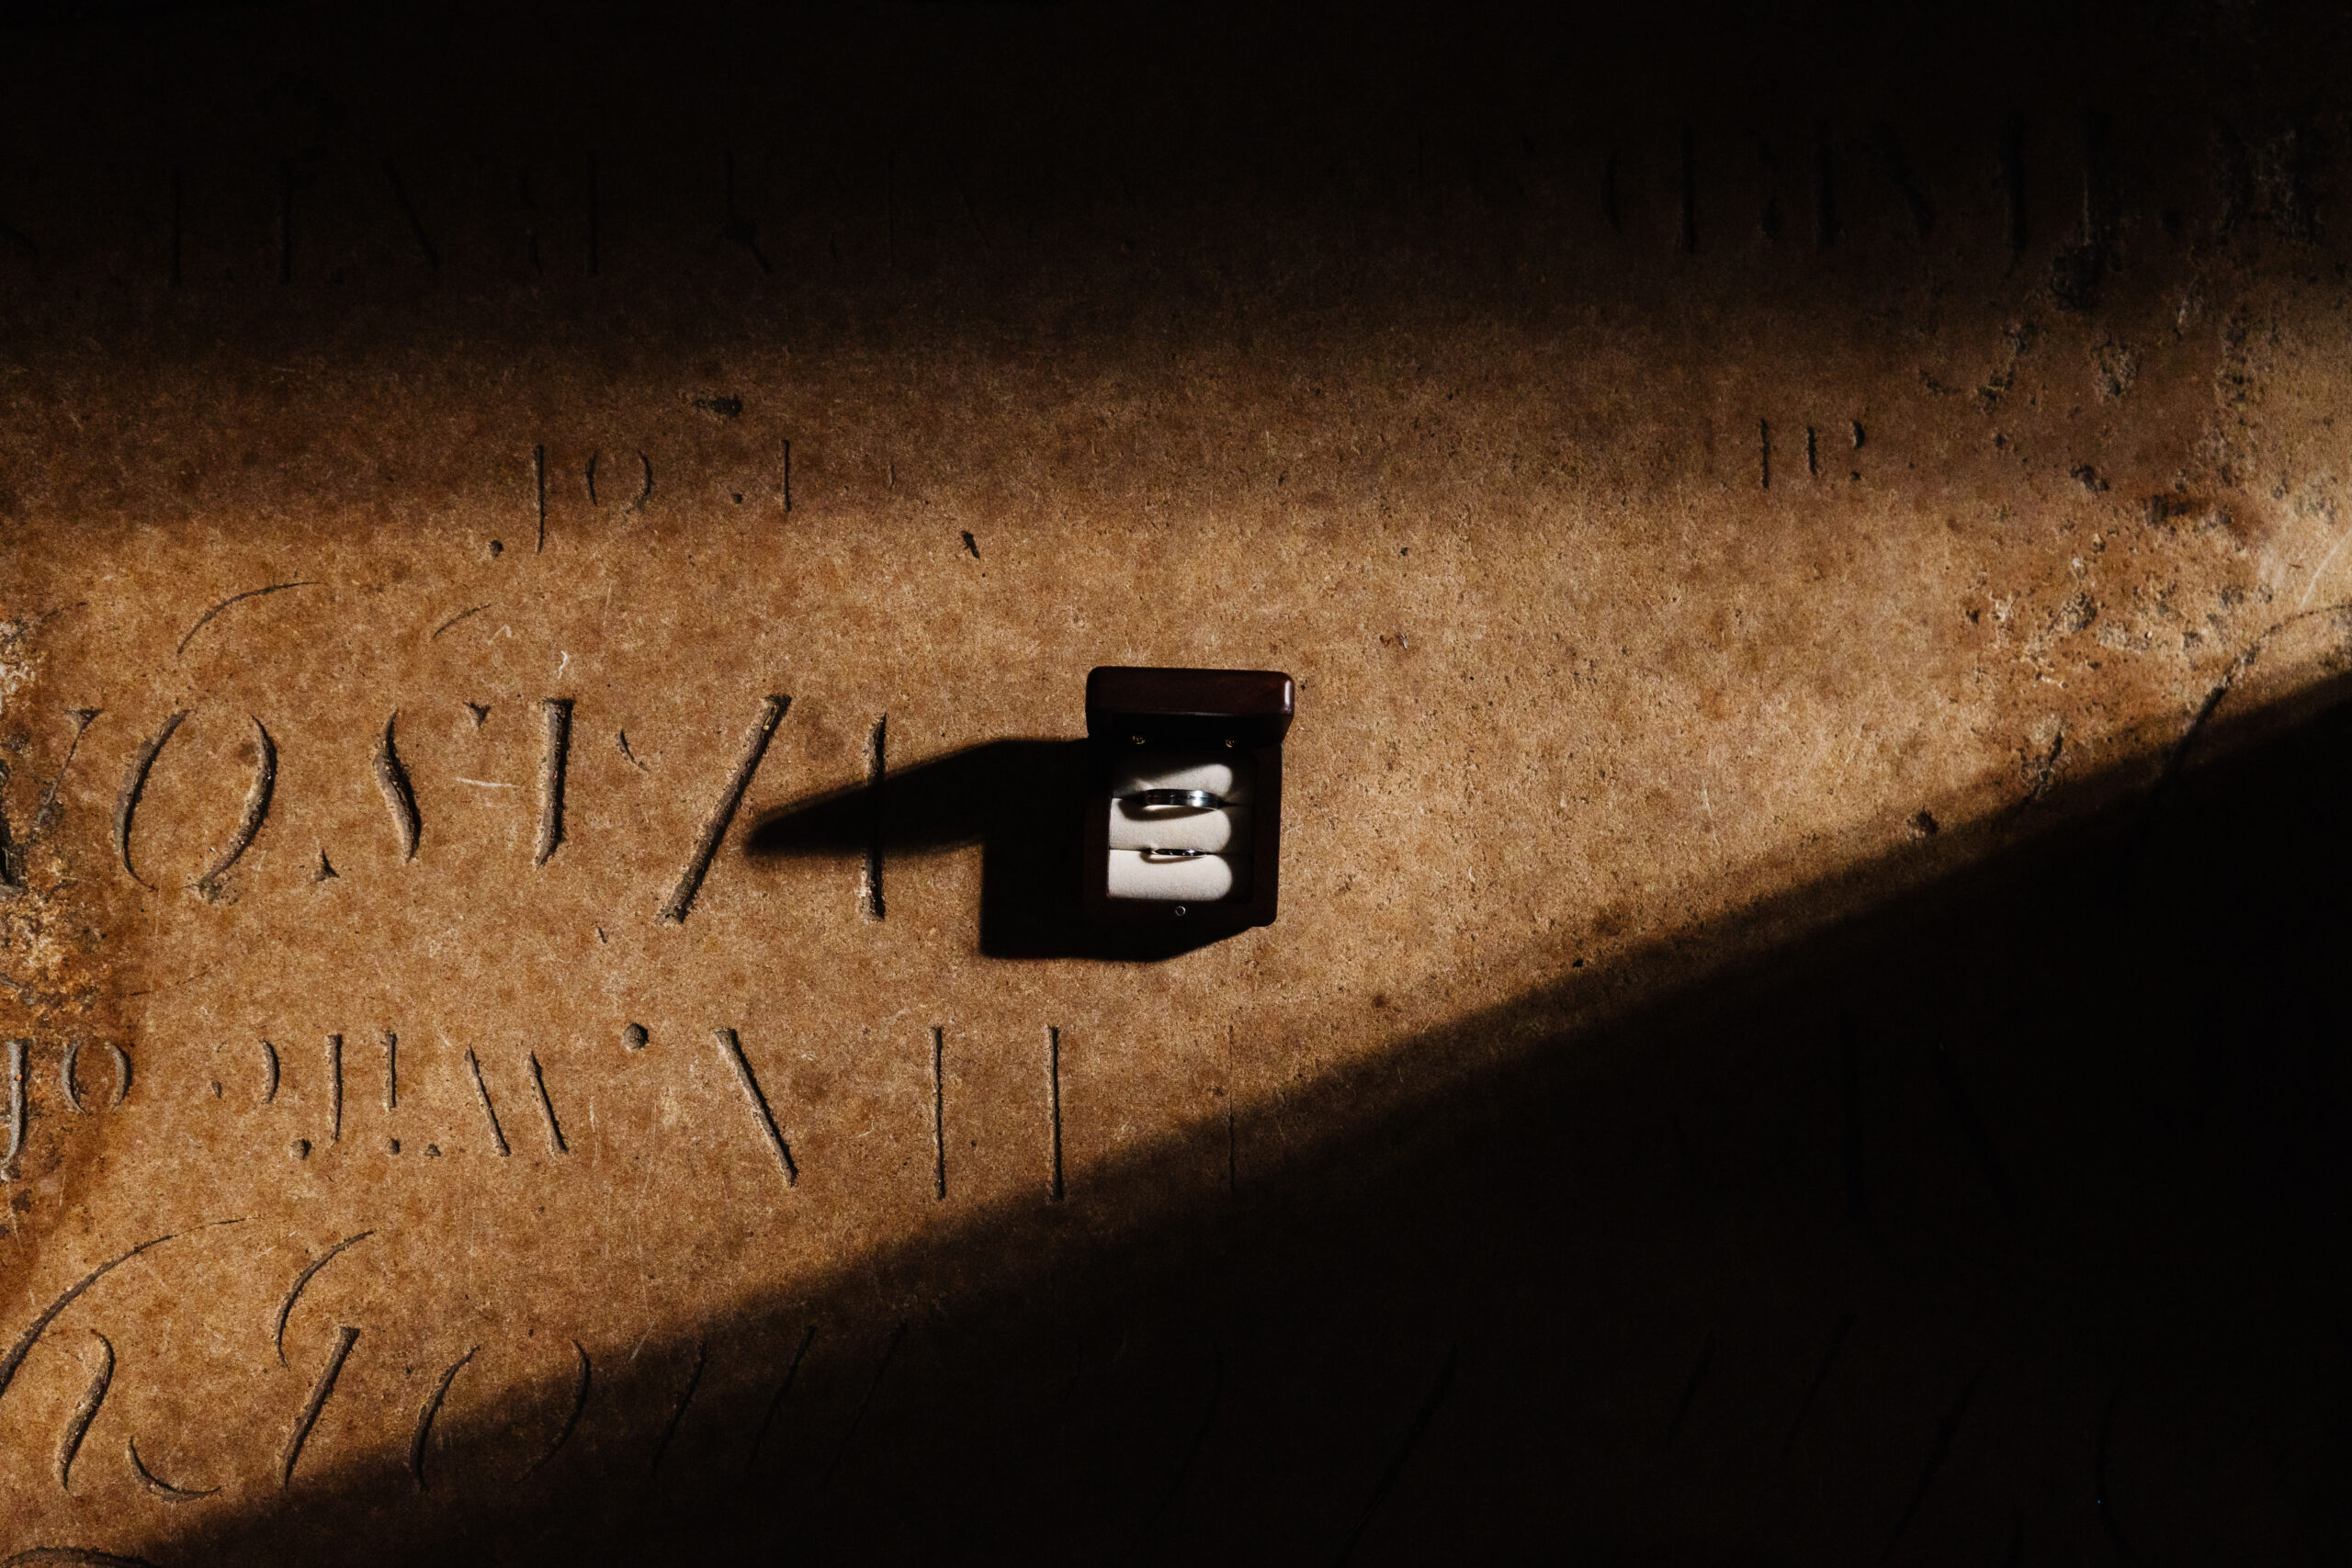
{"points": [[1741, 499]]}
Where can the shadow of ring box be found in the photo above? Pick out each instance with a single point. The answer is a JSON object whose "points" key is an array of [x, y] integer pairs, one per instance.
{"points": [[1151, 721]]}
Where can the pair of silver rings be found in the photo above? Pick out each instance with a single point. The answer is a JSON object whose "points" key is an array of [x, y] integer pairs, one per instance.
{"points": [[1173, 800]]}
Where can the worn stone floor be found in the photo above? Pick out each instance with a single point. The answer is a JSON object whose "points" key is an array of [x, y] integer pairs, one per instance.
{"points": [[1803, 1023]]}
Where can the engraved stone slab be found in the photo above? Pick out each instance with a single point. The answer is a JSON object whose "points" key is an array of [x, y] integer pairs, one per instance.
{"points": [[532, 627]]}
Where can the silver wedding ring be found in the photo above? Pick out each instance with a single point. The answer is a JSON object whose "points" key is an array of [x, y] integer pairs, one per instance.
{"points": [[1175, 854], [1173, 800]]}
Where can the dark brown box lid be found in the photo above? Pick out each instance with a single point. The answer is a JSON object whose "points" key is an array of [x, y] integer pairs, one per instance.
{"points": [[1255, 705]]}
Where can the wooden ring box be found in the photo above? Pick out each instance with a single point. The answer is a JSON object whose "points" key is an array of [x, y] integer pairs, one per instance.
{"points": [[1139, 719]]}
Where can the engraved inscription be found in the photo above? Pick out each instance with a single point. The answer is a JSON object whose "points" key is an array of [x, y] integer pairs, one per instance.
{"points": [[581, 1377], [334, 1088], [1054, 1113], [399, 798], [69, 1073], [158, 1486], [678, 1410], [134, 784], [16, 1050], [490, 1112], [547, 1106], [775, 1401], [302, 1283], [733, 1048], [321, 1392], [557, 714], [205, 619], [426, 1417], [857, 1419], [876, 769], [714, 828], [77, 1425], [15, 1360], [256, 811], [939, 1113]]}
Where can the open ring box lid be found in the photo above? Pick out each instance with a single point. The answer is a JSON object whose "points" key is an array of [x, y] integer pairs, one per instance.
{"points": [[1136, 717]]}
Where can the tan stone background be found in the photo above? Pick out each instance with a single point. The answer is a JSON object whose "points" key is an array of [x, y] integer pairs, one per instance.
{"points": [[1712, 477]]}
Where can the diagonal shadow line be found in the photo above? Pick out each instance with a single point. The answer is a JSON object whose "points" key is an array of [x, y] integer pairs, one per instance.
{"points": [[2143, 1001]]}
